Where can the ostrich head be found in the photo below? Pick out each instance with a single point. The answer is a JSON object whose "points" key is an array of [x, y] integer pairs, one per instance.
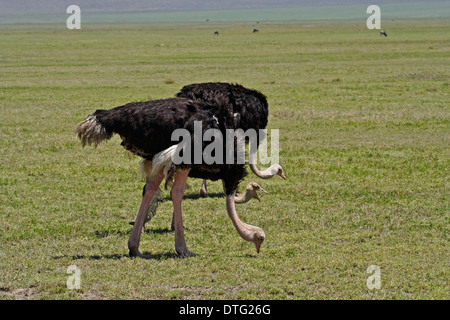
{"points": [[251, 189], [280, 171], [249, 193], [258, 238]]}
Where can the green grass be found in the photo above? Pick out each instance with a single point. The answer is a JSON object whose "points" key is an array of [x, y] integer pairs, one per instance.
{"points": [[364, 132]]}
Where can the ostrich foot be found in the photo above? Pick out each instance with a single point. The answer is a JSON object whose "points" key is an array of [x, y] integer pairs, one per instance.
{"points": [[185, 253], [135, 253]]}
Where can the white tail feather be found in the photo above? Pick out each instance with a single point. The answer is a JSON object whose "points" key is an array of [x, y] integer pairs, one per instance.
{"points": [[90, 131], [163, 161]]}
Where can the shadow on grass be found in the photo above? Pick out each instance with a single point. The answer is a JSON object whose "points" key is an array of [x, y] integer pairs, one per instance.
{"points": [[158, 231], [123, 233], [248, 255], [145, 256], [194, 196]]}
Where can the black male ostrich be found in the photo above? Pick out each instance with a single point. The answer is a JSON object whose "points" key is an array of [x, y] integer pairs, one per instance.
{"points": [[248, 108], [146, 129]]}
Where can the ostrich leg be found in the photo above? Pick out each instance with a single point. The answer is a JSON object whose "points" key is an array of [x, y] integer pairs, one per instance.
{"points": [[203, 194], [151, 187], [204, 189], [177, 193]]}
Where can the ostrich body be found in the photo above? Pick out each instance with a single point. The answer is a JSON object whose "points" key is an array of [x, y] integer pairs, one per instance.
{"points": [[145, 129], [249, 110]]}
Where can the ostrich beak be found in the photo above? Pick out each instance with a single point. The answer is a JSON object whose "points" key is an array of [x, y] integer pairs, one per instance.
{"points": [[283, 176], [258, 245], [258, 241], [256, 195]]}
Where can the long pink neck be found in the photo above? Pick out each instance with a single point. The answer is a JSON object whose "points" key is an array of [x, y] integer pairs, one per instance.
{"points": [[246, 231], [266, 174], [244, 197]]}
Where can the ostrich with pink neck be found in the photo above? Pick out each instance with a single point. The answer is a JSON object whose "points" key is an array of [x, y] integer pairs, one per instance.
{"points": [[146, 129]]}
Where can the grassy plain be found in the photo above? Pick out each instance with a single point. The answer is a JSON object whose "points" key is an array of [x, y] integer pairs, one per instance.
{"points": [[364, 132]]}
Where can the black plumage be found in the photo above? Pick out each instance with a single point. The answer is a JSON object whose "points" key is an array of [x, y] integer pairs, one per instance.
{"points": [[248, 108], [146, 129]]}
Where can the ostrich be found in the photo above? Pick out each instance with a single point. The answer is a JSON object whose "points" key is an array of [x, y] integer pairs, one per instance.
{"points": [[146, 129], [383, 33], [255, 30], [249, 108]]}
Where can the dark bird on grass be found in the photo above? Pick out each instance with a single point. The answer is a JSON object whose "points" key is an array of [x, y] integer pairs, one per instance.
{"points": [[248, 108], [146, 129], [383, 33], [216, 33], [255, 30]]}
